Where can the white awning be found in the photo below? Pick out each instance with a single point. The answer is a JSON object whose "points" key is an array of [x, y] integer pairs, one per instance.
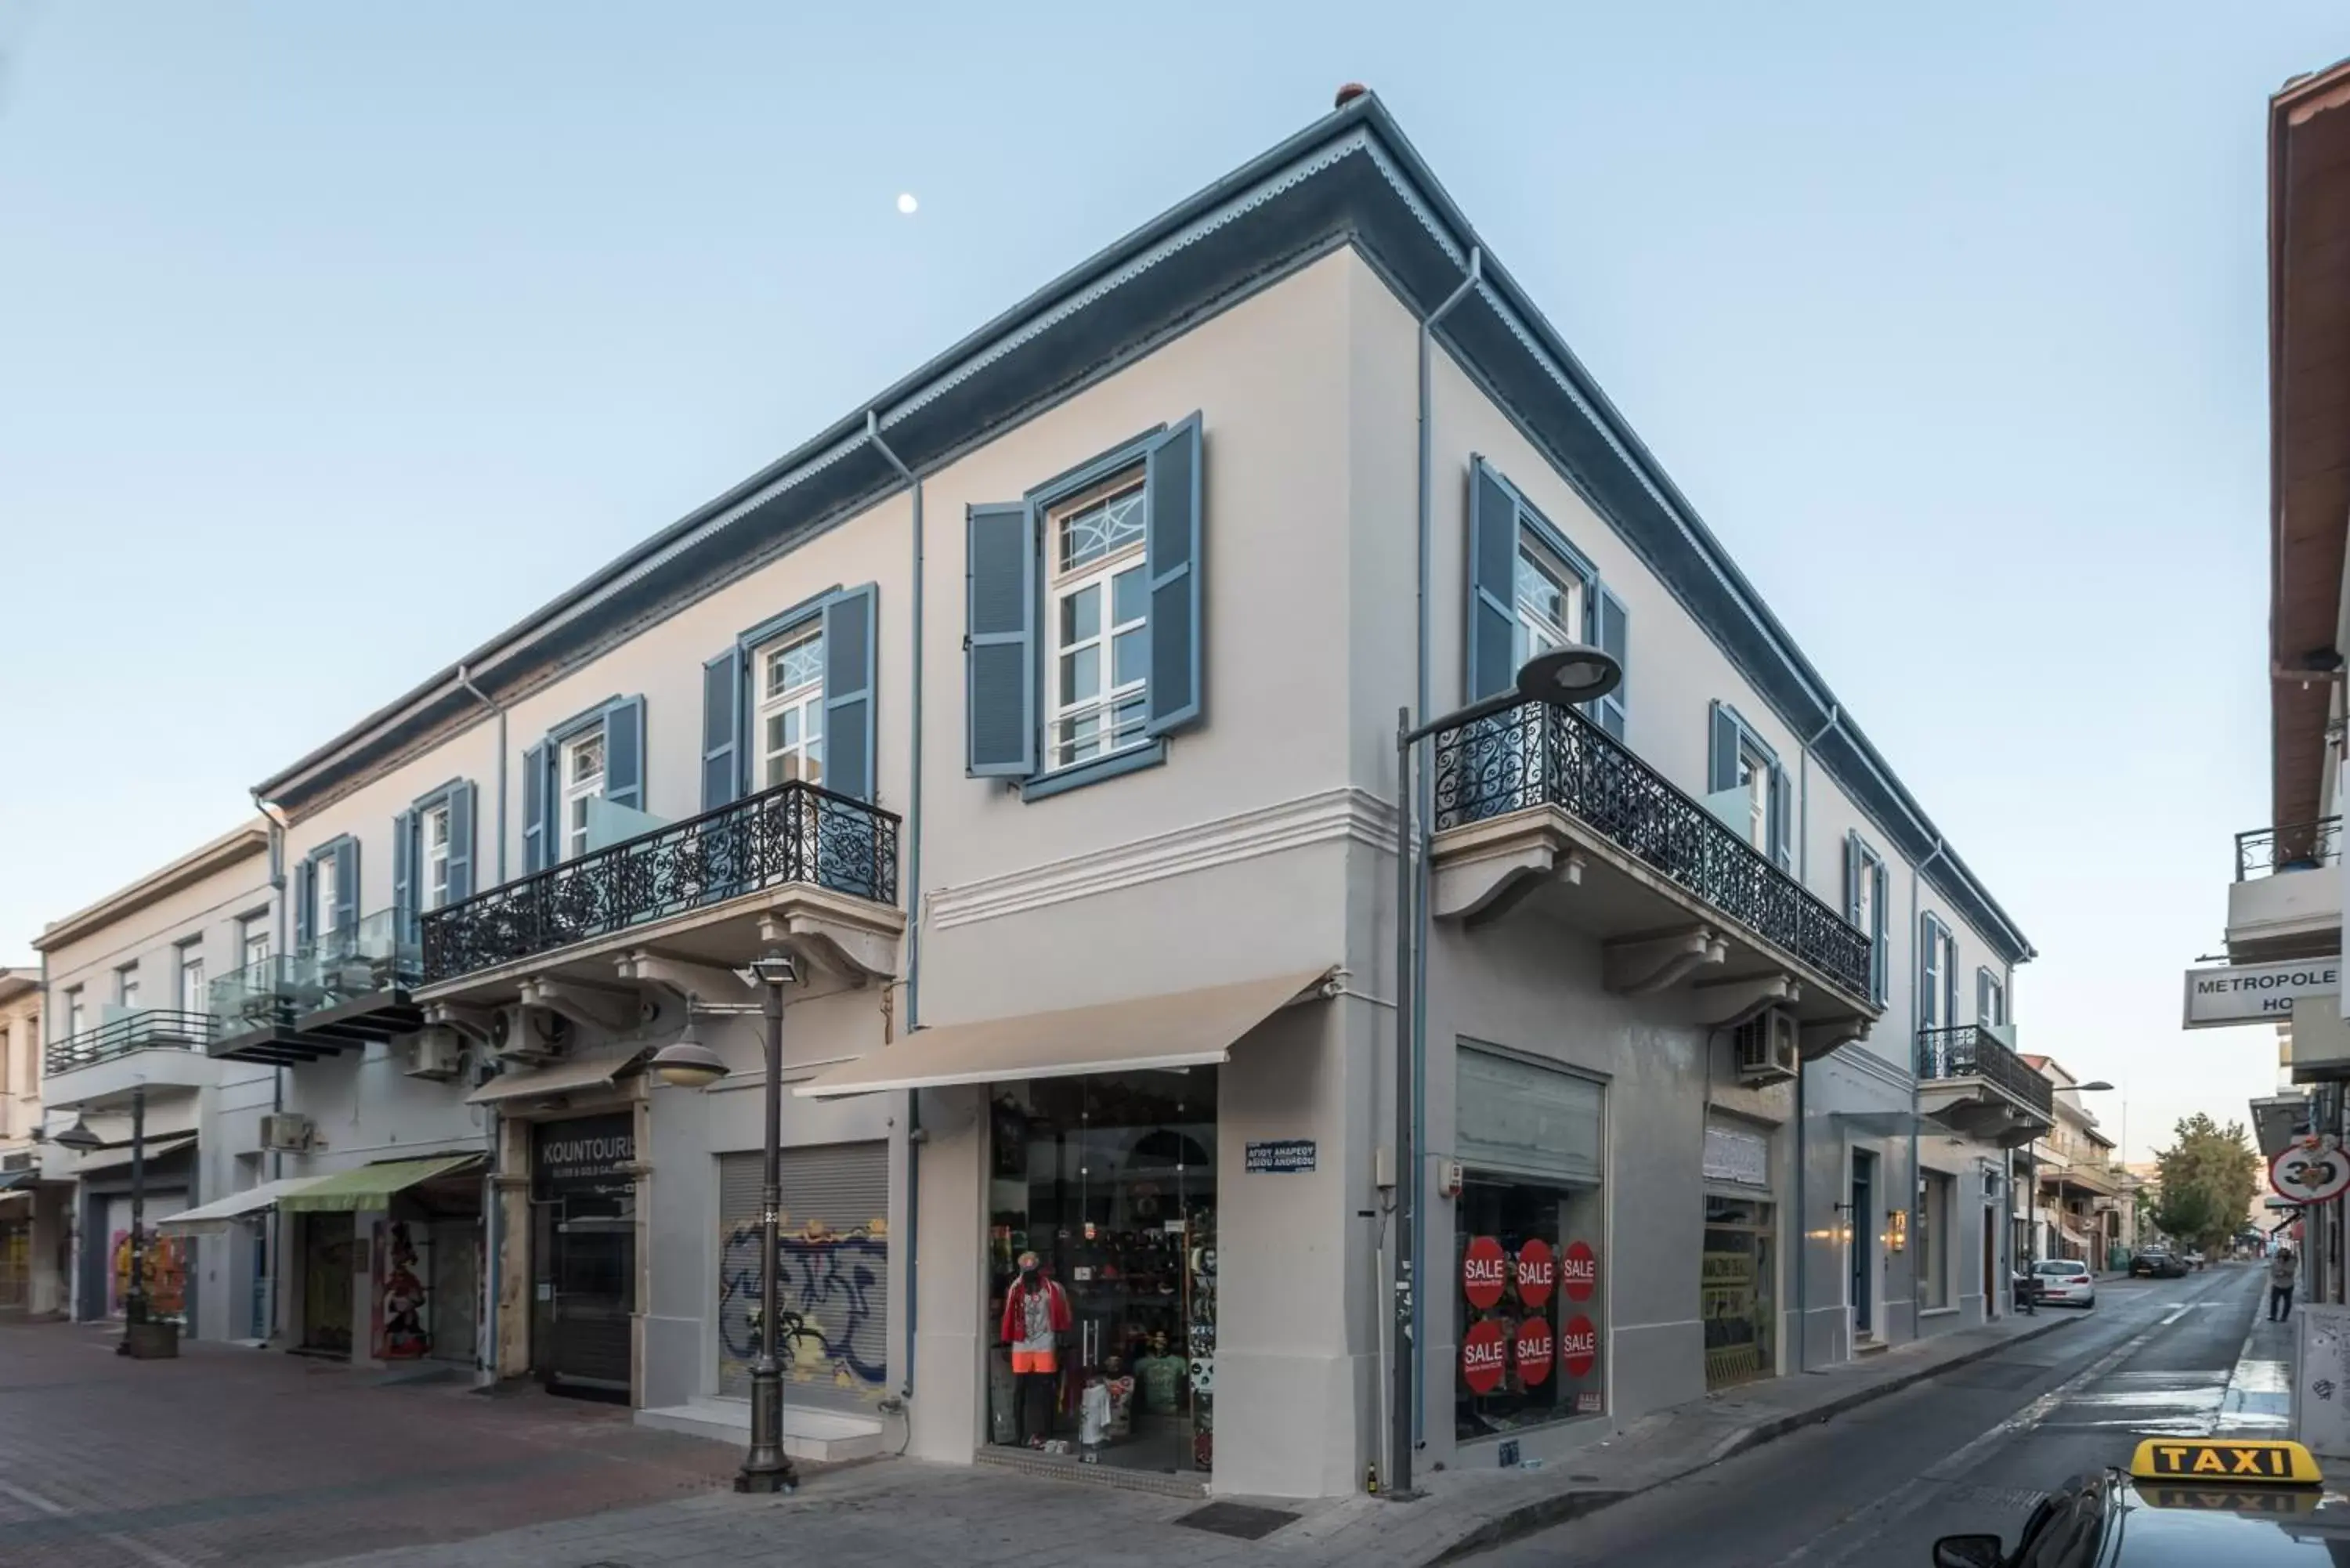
{"points": [[221, 1214], [561, 1078], [1185, 1029]]}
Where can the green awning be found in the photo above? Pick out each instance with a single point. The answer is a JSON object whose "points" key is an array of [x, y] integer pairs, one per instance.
{"points": [[370, 1186]]}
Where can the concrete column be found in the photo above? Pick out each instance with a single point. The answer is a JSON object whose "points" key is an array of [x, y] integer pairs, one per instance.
{"points": [[510, 1353]]}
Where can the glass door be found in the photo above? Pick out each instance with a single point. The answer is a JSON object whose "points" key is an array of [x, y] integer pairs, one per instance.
{"points": [[1739, 1265]]}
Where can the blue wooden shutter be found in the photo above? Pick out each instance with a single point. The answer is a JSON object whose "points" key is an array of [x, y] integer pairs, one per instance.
{"points": [[1612, 630], [849, 626], [1929, 974], [1172, 531], [460, 843], [1881, 969], [1722, 757], [1493, 583], [534, 844], [404, 901], [1983, 1014], [306, 902], [722, 730], [999, 642], [624, 753], [347, 889], [1783, 826], [1852, 875]]}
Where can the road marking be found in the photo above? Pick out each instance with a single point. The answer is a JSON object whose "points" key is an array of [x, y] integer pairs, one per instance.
{"points": [[32, 1499], [130, 1544]]}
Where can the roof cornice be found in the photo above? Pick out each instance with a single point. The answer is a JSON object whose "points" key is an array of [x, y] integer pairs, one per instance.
{"points": [[240, 844]]}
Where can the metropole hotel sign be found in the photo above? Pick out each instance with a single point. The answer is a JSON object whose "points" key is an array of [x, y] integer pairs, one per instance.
{"points": [[2259, 993]]}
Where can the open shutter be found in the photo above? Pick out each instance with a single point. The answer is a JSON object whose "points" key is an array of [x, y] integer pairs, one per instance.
{"points": [[1613, 630], [722, 730], [535, 855], [849, 625], [404, 902], [305, 903], [1783, 823], [346, 889], [460, 843], [624, 753], [1881, 970], [999, 642], [1172, 531], [1722, 757], [1852, 874], [1983, 1013], [1493, 582]]}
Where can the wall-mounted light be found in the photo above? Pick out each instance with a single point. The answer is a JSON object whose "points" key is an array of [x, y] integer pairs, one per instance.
{"points": [[1897, 1230]]}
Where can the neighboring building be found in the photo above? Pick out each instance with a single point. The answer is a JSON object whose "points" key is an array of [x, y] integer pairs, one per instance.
{"points": [[2086, 1200], [1075, 814], [32, 1213], [2284, 907], [129, 1009]]}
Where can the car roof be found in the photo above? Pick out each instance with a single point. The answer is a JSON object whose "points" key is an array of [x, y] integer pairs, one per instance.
{"points": [[2159, 1526], [2064, 1266]]}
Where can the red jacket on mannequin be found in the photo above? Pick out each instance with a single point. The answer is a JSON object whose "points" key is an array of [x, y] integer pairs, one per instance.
{"points": [[1015, 1309]]}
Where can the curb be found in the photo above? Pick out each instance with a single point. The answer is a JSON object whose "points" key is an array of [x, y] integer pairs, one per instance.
{"points": [[1542, 1513]]}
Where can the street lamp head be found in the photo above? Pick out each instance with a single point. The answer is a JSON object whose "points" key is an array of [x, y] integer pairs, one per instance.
{"points": [[685, 1063], [775, 967], [2090, 1088], [1573, 674], [77, 1139]]}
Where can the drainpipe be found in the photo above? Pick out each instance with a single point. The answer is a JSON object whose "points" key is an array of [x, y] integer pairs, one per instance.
{"points": [[466, 680], [1802, 872], [913, 914], [276, 1074], [1911, 1197], [1424, 804]]}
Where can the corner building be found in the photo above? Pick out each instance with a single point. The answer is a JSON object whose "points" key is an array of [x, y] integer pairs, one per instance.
{"points": [[1043, 711]]}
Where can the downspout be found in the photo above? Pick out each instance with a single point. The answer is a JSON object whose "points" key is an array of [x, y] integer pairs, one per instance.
{"points": [[493, 1213], [278, 1073], [1423, 803], [1802, 1220], [1910, 1198], [913, 917], [466, 680]]}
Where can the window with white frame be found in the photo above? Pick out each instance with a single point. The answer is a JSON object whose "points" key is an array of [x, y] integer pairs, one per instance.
{"points": [[252, 940], [191, 977], [582, 779], [436, 856], [1099, 664], [1937, 986], [1990, 999], [76, 1012], [1550, 601], [1755, 783], [126, 987], [790, 708]]}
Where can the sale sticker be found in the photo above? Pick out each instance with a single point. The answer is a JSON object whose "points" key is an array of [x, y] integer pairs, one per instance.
{"points": [[1484, 1270], [1533, 1351], [1579, 1272], [1485, 1355], [1579, 1346], [1537, 1272]]}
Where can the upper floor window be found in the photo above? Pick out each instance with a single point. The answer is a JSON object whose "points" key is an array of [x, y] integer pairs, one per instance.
{"points": [[583, 781], [325, 900], [191, 977], [253, 940], [1099, 657], [431, 854], [1746, 787], [1550, 601], [791, 709], [126, 987], [1990, 999], [327, 895], [598, 755], [1531, 591], [436, 856], [1937, 980], [1082, 613], [1865, 907], [76, 1012]]}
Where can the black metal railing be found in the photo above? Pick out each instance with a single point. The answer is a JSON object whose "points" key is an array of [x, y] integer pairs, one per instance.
{"points": [[792, 833], [2301, 846], [146, 1029], [1970, 1050], [1538, 754]]}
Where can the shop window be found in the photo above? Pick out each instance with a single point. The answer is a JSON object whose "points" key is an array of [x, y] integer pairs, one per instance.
{"points": [[1933, 1239], [1532, 1315], [1739, 1270]]}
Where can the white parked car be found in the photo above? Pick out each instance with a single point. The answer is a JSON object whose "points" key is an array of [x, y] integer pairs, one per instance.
{"points": [[2066, 1282]]}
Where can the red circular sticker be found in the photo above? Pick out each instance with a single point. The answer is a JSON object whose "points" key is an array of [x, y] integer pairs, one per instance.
{"points": [[1484, 1352], [1534, 1351], [1579, 1346], [1579, 1272], [1537, 1272], [1484, 1269]]}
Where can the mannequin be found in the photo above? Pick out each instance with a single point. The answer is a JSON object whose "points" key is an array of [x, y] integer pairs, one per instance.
{"points": [[1035, 1314]]}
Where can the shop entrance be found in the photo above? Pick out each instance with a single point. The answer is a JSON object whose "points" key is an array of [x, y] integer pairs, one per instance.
{"points": [[1110, 1181], [1858, 1221], [329, 1251], [584, 1255], [1740, 1263]]}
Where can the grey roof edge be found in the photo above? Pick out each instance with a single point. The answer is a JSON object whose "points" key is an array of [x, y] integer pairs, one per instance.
{"points": [[1512, 305]]}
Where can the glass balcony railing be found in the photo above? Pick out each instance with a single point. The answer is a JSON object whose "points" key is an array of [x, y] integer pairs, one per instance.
{"points": [[142, 1029], [375, 955], [257, 996]]}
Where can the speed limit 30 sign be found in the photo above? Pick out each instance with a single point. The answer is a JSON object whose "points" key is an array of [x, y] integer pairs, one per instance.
{"points": [[2311, 1173]]}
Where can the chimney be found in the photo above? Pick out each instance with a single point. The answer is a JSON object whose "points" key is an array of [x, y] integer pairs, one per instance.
{"points": [[1349, 93]]}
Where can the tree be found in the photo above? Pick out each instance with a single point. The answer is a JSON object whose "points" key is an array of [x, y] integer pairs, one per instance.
{"points": [[2209, 1177]]}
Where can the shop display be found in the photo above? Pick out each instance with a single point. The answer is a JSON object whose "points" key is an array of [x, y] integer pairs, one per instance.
{"points": [[1528, 1300]]}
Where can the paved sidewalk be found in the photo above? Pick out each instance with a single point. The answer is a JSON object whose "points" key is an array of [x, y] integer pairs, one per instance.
{"points": [[904, 1512]]}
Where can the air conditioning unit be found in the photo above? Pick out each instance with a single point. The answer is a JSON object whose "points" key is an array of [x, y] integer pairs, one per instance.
{"points": [[530, 1036], [1767, 1047], [19, 1159], [436, 1054], [287, 1132]]}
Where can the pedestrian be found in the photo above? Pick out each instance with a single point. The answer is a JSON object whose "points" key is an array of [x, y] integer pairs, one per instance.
{"points": [[2281, 1272]]}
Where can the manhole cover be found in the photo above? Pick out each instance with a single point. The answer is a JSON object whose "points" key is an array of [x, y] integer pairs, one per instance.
{"points": [[1237, 1519]]}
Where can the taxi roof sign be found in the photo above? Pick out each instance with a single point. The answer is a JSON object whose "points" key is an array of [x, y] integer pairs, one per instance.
{"points": [[2234, 1463]]}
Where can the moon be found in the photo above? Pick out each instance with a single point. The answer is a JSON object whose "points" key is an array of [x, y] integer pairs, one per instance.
{"points": [[906, 202]]}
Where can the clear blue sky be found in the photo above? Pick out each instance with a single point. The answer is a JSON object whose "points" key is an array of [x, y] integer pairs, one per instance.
{"points": [[334, 339]]}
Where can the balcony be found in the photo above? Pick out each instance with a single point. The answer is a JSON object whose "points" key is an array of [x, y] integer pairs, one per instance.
{"points": [[1971, 1081], [2286, 901], [794, 867], [158, 1047], [1540, 802], [347, 989]]}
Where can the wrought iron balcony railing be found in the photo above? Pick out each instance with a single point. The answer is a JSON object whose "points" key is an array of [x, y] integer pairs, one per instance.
{"points": [[146, 1029], [1969, 1050], [1538, 754], [792, 833], [2301, 846]]}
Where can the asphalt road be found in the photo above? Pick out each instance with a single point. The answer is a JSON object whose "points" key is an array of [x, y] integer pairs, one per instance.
{"points": [[1971, 1450]]}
